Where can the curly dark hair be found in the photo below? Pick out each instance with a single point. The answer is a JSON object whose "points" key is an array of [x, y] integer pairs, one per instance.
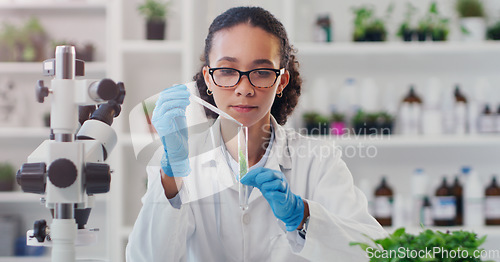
{"points": [[258, 17]]}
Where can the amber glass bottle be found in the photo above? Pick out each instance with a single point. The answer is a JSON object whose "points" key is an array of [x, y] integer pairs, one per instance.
{"points": [[459, 96], [444, 206], [492, 203], [460, 112], [383, 204], [457, 191], [412, 97]]}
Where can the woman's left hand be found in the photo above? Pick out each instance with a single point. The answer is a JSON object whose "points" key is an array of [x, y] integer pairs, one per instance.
{"points": [[286, 206]]}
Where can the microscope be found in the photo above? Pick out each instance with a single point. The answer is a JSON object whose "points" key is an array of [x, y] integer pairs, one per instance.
{"points": [[69, 169]]}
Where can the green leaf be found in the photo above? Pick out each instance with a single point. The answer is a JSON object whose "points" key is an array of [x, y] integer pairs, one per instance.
{"points": [[399, 232]]}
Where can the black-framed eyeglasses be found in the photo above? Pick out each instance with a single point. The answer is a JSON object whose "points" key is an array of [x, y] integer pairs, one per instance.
{"points": [[227, 77]]}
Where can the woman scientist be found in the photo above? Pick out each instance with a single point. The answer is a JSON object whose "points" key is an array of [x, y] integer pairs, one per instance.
{"points": [[303, 206]]}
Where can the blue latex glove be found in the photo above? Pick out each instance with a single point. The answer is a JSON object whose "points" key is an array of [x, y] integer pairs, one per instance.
{"points": [[286, 206], [169, 120]]}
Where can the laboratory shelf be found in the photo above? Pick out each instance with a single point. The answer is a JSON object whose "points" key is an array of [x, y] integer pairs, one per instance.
{"points": [[22, 197], [25, 259], [398, 48], [22, 68], [415, 140], [479, 230], [52, 5], [19, 197], [20, 133], [151, 47]]}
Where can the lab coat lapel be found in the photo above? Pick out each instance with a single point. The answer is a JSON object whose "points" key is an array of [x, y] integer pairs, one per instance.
{"points": [[222, 170], [278, 159]]}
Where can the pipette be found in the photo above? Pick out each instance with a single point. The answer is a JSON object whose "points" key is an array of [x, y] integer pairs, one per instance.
{"points": [[213, 108]]}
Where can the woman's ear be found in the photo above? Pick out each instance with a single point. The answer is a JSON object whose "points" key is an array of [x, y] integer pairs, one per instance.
{"points": [[206, 76], [284, 80]]}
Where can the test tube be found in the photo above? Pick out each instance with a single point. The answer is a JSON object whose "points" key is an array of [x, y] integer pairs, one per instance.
{"points": [[244, 192]]}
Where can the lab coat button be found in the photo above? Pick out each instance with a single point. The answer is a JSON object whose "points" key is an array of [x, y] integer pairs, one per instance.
{"points": [[246, 219]]}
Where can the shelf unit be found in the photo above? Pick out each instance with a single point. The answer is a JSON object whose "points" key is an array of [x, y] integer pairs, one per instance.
{"points": [[19, 197], [35, 68], [151, 47], [54, 6], [27, 198], [16, 143], [481, 231], [398, 48], [25, 259], [394, 141]]}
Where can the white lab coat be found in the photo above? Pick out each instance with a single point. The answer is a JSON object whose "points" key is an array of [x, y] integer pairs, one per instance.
{"points": [[209, 225]]}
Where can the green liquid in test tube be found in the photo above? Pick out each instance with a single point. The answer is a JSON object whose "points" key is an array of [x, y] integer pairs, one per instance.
{"points": [[244, 192]]}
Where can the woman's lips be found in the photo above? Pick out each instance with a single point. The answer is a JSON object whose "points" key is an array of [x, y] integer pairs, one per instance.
{"points": [[243, 108]]}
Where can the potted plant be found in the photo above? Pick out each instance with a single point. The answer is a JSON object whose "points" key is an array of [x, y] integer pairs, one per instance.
{"points": [[315, 123], [376, 31], [359, 123], [432, 25], [7, 177], [493, 32], [310, 121], [472, 22], [367, 27], [37, 38], [405, 30], [155, 12], [362, 16], [424, 28], [13, 42], [323, 125], [337, 124], [371, 124], [384, 123], [439, 25], [86, 52], [440, 30], [428, 245]]}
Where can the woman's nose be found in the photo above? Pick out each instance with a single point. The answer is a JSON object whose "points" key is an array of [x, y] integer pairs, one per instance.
{"points": [[244, 87]]}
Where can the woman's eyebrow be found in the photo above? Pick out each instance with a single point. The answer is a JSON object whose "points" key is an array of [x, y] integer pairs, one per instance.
{"points": [[263, 62], [228, 58]]}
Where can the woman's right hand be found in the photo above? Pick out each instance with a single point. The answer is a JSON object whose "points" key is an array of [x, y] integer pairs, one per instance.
{"points": [[169, 120]]}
